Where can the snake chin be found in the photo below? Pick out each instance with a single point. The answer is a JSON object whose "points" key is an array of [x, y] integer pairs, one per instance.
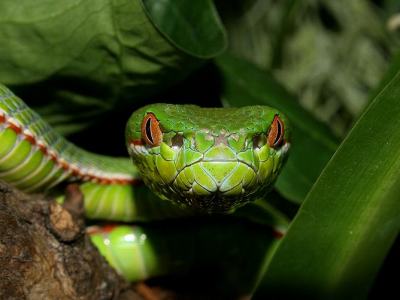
{"points": [[211, 182], [217, 186]]}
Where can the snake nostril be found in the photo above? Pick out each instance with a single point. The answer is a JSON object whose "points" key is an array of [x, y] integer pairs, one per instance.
{"points": [[177, 140], [258, 141]]}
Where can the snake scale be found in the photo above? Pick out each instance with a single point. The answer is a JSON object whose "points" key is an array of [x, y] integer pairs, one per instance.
{"points": [[201, 160]]}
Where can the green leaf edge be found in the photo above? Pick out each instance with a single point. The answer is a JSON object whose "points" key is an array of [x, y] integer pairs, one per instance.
{"points": [[359, 291], [218, 22]]}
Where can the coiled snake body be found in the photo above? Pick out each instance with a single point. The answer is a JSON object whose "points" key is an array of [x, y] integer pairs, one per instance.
{"points": [[202, 160]]}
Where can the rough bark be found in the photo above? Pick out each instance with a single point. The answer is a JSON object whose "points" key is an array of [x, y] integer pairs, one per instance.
{"points": [[45, 253]]}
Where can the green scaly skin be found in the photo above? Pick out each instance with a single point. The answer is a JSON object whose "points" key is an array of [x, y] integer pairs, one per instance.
{"points": [[212, 160]]}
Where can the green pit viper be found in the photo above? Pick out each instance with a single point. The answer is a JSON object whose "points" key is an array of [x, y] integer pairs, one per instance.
{"points": [[203, 160]]}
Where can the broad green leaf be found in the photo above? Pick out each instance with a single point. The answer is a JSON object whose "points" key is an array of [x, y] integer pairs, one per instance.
{"points": [[193, 26], [312, 143], [85, 56], [350, 218]]}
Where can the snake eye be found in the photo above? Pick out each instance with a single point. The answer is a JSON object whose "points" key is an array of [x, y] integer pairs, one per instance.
{"points": [[151, 131], [276, 132]]}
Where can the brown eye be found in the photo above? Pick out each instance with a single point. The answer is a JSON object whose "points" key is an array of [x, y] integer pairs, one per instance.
{"points": [[276, 132], [151, 131]]}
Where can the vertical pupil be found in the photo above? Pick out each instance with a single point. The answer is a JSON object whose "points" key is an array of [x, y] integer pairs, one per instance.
{"points": [[279, 132], [148, 130]]}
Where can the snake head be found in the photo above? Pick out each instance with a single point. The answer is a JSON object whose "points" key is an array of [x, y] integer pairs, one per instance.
{"points": [[211, 159]]}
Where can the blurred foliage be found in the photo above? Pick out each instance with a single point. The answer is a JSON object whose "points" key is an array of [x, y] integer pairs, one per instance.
{"points": [[76, 61], [328, 53], [85, 65]]}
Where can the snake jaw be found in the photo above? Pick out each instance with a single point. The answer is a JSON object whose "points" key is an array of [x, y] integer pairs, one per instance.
{"points": [[218, 180]]}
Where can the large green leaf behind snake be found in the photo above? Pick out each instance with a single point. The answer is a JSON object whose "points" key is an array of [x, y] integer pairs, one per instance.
{"points": [[77, 60]]}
